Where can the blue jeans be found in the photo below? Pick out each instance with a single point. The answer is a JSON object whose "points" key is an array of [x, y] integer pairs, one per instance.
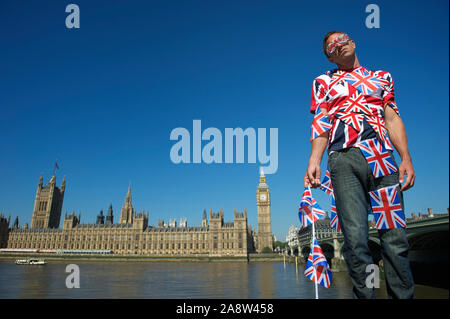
{"points": [[352, 180]]}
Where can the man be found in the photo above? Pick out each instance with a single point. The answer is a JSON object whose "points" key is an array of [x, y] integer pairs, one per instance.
{"points": [[360, 109]]}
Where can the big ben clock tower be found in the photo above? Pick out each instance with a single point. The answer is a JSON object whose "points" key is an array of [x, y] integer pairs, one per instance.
{"points": [[264, 236]]}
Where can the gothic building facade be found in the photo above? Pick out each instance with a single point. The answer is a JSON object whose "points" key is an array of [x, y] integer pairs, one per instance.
{"points": [[133, 235]]}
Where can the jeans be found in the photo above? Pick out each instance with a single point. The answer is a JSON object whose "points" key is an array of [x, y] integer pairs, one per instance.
{"points": [[352, 180]]}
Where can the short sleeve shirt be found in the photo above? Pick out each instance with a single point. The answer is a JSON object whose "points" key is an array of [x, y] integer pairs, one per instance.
{"points": [[354, 100]]}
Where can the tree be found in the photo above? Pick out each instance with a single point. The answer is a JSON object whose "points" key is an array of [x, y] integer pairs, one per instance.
{"points": [[281, 245]]}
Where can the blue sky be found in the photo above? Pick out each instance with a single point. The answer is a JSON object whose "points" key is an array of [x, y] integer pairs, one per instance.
{"points": [[104, 98]]}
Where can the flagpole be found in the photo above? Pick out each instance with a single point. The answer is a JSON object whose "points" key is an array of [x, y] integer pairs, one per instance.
{"points": [[312, 245]]}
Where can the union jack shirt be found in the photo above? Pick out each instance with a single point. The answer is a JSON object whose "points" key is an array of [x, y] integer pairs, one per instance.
{"points": [[354, 101]]}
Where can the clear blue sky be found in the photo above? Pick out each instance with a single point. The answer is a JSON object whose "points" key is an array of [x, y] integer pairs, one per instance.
{"points": [[104, 98]]}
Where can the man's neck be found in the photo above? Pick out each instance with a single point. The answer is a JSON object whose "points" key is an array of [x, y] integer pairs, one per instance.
{"points": [[350, 65]]}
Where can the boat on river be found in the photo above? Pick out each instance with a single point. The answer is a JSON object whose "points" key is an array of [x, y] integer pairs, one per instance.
{"points": [[30, 262]]}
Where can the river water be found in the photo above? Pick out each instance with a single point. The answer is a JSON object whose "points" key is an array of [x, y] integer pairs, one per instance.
{"points": [[219, 280]]}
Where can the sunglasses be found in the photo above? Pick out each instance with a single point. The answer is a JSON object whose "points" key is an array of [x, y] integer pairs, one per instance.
{"points": [[340, 40]]}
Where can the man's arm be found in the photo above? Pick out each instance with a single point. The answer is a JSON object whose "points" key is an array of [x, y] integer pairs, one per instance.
{"points": [[397, 134], [318, 146]]}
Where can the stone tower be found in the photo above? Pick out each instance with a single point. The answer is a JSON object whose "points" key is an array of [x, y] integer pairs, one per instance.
{"points": [[264, 235], [204, 219], [4, 230], [140, 220], [126, 214], [110, 216], [48, 204], [100, 218]]}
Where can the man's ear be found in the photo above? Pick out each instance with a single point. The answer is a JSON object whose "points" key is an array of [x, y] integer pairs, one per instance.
{"points": [[331, 59]]}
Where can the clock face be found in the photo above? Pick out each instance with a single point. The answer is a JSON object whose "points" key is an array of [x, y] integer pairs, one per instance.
{"points": [[263, 197]]}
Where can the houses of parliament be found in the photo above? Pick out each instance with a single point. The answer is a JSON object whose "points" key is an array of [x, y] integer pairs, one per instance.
{"points": [[132, 234]]}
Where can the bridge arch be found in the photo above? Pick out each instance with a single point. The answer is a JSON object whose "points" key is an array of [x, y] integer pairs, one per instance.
{"points": [[431, 240], [429, 250], [305, 252], [328, 251], [374, 248]]}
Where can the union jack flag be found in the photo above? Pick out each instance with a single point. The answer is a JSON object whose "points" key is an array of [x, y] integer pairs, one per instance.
{"points": [[379, 127], [317, 253], [387, 209], [355, 120], [355, 103], [337, 77], [307, 199], [317, 268], [364, 81], [378, 158], [309, 214], [326, 185], [309, 210], [334, 221], [320, 124]]}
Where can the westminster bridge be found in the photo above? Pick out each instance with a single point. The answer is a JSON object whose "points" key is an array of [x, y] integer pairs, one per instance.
{"points": [[429, 246]]}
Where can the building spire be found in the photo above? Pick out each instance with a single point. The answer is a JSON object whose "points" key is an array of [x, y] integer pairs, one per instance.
{"points": [[128, 197], [55, 168], [262, 177], [126, 213]]}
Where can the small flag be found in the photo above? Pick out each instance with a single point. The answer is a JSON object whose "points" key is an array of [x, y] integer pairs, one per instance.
{"points": [[387, 209], [334, 221], [317, 268], [326, 185], [378, 157], [309, 210]]}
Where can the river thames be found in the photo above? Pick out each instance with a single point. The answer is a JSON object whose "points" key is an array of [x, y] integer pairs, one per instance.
{"points": [[218, 280]]}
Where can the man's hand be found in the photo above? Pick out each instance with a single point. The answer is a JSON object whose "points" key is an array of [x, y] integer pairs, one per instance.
{"points": [[406, 168], [318, 146], [312, 176]]}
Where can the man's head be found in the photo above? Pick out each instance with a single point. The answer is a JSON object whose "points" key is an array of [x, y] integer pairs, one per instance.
{"points": [[339, 48]]}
